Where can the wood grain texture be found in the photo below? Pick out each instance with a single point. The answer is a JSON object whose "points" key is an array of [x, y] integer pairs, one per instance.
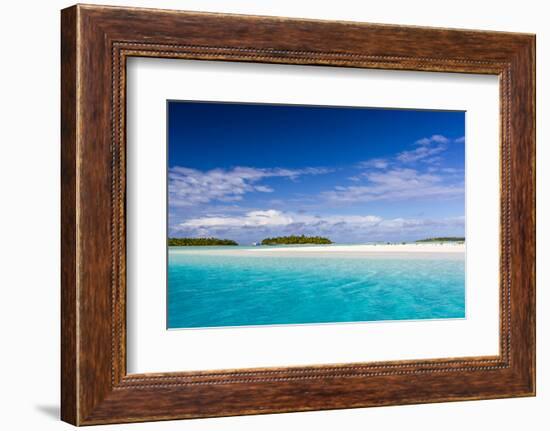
{"points": [[69, 366], [96, 41]]}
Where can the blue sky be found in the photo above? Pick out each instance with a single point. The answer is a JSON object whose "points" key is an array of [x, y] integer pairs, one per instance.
{"points": [[248, 171]]}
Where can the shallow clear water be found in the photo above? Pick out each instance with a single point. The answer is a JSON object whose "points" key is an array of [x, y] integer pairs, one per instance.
{"points": [[210, 288]]}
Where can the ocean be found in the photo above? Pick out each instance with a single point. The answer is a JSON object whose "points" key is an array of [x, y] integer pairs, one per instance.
{"points": [[236, 286]]}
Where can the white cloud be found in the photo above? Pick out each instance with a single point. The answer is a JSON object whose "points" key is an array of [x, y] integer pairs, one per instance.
{"points": [[188, 186], [271, 217], [395, 184], [250, 219], [438, 139], [408, 224], [424, 152], [263, 189], [428, 150], [374, 163]]}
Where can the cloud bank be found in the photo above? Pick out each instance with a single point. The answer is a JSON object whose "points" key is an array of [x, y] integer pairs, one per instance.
{"points": [[256, 225]]}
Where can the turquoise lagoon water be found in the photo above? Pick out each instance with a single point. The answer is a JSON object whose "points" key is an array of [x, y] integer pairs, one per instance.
{"points": [[214, 287]]}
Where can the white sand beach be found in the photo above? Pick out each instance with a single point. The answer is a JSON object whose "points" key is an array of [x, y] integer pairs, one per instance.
{"points": [[368, 251], [370, 248], [414, 251]]}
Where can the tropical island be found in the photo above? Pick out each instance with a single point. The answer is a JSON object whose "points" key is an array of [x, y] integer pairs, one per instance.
{"points": [[443, 239], [295, 239], [178, 242]]}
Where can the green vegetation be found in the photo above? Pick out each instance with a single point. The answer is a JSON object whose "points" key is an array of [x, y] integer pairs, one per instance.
{"points": [[444, 239], [294, 239], [177, 242]]}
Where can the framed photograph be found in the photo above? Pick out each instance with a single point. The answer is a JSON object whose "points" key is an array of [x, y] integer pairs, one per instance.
{"points": [[267, 215]]}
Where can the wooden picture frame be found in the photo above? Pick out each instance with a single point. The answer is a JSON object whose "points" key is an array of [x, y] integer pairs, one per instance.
{"points": [[95, 43]]}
